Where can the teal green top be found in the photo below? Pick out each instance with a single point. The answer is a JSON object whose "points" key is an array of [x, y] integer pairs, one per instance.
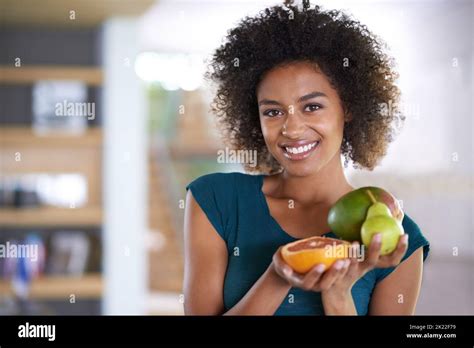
{"points": [[236, 206]]}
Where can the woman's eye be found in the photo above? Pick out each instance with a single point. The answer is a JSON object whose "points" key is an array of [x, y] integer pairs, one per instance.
{"points": [[271, 113], [312, 107]]}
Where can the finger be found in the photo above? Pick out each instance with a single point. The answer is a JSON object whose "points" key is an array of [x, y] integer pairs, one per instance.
{"points": [[286, 272], [295, 279], [353, 268], [355, 250], [355, 244], [281, 267], [396, 256], [340, 275], [313, 276], [330, 276], [344, 270], [374, 251]]}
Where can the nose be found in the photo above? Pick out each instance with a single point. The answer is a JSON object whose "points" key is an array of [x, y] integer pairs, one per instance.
{"points": [[293, 127]]}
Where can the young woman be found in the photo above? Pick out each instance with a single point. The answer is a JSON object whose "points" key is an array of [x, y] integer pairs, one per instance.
{"points": [[302, 87]]}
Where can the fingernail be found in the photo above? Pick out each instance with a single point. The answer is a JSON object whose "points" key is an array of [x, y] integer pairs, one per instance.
{"points": [[378, 237], [287, 271], [405, 239], [338, 265], [320, 268]]}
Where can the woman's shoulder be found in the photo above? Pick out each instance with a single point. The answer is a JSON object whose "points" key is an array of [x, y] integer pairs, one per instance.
{"points": [[411, 227], [221, 181], [416, 240], [409, 223], [222, 189], [217, 194]]}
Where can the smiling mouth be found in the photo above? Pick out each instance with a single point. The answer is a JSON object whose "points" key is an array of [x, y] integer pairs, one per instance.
{"points": [[300, 152]]}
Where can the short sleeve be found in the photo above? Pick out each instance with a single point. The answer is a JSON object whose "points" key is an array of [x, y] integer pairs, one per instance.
{"points": [[415, 241], [212, 193]]}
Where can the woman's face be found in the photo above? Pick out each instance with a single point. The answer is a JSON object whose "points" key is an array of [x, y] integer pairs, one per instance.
{"points": [[301, 116]]}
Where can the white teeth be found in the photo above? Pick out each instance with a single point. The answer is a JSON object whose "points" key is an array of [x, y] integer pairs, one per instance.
{"points": [[301, 149]]}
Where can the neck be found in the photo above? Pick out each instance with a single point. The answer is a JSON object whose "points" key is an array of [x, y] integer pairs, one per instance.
{"points": [[324, 187]]}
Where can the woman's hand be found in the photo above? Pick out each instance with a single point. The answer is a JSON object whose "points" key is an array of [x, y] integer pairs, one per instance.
{"points": [[342, 275]]}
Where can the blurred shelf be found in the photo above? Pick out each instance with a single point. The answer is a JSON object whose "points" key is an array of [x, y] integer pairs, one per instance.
{"points": [[50, 217], [28, 136], [55, 13], [61, 287], [58, 152], [92, 76], [194, 152]]}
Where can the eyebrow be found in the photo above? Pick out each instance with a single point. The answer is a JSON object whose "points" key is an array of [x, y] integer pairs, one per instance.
{"points": [[301, 99]]}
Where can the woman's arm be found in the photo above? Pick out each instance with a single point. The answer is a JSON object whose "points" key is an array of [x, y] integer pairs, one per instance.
{"points": [[397, 294], [205, 263], [264, 297], [205, 268], [338, 304]]}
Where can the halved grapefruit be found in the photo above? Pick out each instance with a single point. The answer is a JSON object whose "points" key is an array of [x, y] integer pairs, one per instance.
{"points": [[304, 254]]}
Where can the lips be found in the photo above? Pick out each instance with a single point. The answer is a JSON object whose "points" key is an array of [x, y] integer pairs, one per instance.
{"points": [[299, 150]]}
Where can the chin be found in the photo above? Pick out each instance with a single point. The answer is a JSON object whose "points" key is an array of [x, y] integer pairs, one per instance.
{"points": [[299, 169], [302, 172]]}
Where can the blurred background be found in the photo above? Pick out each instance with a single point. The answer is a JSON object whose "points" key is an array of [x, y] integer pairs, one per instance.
{"points": [[104, 118]]}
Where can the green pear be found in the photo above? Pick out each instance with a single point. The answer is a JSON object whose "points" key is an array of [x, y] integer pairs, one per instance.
{"points": [[390, 229], [346, 216], [378, 209]]}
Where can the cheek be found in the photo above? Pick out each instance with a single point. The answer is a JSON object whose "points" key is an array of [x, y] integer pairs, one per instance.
{"points": [[266, 133], [334, 127], [269, 130], [264, 128], [328, 126]]}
